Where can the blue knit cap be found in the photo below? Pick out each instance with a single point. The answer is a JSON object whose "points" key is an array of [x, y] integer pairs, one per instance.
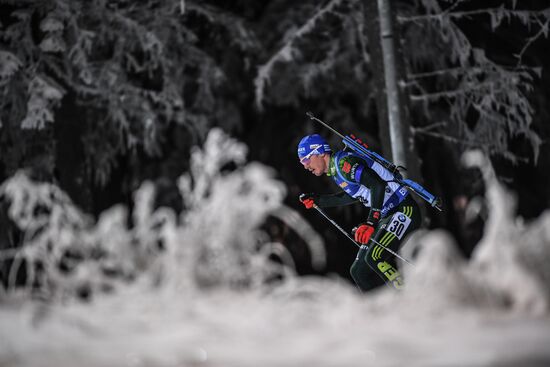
{"points": [[312, 144]]}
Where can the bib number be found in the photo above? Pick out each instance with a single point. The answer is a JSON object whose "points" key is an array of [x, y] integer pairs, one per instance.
{"points": [[398, 224]]}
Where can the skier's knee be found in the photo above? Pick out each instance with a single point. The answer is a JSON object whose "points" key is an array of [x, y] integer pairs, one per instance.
{"points": [[370, 259]]}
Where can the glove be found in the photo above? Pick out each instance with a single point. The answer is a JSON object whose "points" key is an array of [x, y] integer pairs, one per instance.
{"points": [[308, 200], [364, 232]]}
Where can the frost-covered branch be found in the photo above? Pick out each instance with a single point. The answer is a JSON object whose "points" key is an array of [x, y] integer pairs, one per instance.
{"points": [[127, 67], [497, 15], [543, 31], [467, 80], [464, 91], [461, 70], [218, 240], [288, 51]]}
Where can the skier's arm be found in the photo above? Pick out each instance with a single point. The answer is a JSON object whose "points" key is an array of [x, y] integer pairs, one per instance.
{"points": [[327, 200], [377, 187], [336, 199], [356, 171]]}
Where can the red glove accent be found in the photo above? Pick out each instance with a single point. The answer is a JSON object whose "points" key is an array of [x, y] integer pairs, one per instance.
{"points": [[308, 203], [363, 233]]}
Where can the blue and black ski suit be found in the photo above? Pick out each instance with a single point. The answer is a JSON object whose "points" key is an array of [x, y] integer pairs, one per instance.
{"points": [[365, 180]]}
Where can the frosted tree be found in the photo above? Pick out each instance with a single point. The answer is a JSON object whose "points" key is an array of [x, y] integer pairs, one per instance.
{"points": [[319, 60], [63, 253], [457, 92], [477, 101], [124, 73]]}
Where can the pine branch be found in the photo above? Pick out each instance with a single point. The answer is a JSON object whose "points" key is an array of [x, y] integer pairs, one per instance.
{"points": [[486, 146], [497, 14], [239, 33], [286, 52], [462, 70], [454, 93], [543, 31], [447, 137], [474, 82]]}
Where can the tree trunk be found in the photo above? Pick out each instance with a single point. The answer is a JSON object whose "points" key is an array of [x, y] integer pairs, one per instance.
{"points": [[393, 97], [396, 99], [388, 67], [372, 29]]}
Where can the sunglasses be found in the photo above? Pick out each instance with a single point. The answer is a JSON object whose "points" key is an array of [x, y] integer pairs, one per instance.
{"points": [[307, 158]]}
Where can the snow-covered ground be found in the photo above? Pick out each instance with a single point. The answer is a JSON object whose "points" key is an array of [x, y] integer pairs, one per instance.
{"points": [[322, 324], [201, 301]]}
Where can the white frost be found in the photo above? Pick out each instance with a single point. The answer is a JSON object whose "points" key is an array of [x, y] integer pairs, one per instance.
{"points": [[202, 301]]}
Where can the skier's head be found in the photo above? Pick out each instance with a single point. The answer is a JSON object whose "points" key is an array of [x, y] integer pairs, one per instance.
{"points": [[313, 152], [312, 145]]}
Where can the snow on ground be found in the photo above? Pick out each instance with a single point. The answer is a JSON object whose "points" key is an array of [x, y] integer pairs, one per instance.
{"points": [[337, 328], [201, 301]]}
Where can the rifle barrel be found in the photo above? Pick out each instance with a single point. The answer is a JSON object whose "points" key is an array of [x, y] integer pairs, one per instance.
{"points": [[312, 117]]}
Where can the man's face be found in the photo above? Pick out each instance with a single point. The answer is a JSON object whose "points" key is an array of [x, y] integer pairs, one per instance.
{"points": [[315, 164]]}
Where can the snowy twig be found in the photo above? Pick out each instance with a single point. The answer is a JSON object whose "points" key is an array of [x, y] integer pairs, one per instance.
{"points": [[461, 70], [286, 51], [542, 31], [486, 146], [424, 129], [521, 14], [455, 93], [453, 139]]}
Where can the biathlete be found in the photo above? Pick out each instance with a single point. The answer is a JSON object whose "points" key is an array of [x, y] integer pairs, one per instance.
{"points": [[393, 213]]}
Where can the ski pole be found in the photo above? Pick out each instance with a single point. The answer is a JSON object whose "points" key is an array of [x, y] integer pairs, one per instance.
{"points": [[391, 251], [335, 224], [353, 240]]}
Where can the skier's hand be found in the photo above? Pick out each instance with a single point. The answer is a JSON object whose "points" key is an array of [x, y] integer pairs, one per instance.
{"points": [[308, 200], [363, 233]]}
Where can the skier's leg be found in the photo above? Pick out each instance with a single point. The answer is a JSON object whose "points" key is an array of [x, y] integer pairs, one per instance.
{"points": [[381, 262], [390, 234], [365, 278]]}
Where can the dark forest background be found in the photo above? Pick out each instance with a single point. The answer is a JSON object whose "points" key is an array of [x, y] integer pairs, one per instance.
{"points": [[98, 96]]}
